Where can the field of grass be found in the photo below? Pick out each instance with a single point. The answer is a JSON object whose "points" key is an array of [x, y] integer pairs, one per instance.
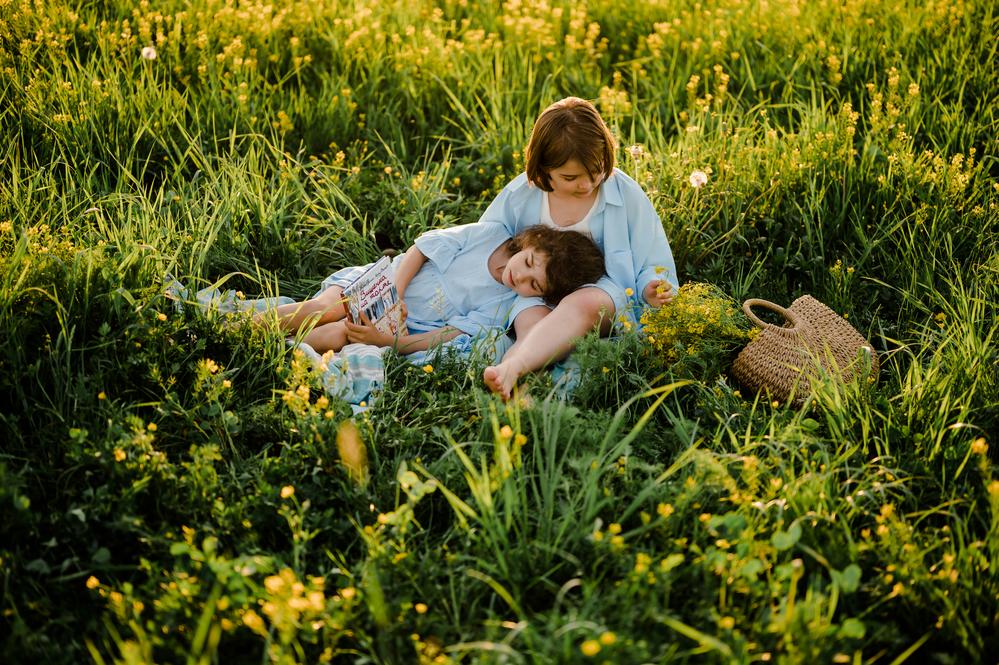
{"points": [[170, 483]]}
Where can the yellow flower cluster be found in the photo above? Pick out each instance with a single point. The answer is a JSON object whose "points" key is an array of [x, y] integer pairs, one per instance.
{"points": [[614, 102], [290, 603], [700, 319]]}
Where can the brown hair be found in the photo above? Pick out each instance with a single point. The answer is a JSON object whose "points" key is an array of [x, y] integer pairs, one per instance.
{"points": [[573, 259], [570, 128]]}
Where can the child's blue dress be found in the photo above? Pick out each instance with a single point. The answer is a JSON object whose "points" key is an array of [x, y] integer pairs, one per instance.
{"points": [[454, 287]]}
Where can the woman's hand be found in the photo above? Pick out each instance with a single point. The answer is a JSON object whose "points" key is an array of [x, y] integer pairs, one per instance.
{"points": [[366, 333], [658, 292]]}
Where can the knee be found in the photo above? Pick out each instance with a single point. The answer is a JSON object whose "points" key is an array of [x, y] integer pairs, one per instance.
{"points": [[330, 298], [593, 302], [327, 337]]}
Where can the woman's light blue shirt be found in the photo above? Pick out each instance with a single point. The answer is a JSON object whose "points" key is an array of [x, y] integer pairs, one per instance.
{"points": [[624, 225]]}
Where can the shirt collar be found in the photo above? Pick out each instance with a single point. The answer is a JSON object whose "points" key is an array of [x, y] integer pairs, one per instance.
{"points": [[612, 190]]}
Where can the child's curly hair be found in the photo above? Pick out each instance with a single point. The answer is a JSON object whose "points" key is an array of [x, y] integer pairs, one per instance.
{"points": [[573, 259]]}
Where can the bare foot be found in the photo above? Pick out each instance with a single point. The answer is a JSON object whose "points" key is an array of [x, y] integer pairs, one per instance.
{"points": [[501, 379]]}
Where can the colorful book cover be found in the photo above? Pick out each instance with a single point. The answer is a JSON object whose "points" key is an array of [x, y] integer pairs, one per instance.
{"points": [[375, 295]]}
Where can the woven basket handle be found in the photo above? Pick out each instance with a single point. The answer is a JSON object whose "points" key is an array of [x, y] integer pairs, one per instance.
{"points": [[794, 319]]}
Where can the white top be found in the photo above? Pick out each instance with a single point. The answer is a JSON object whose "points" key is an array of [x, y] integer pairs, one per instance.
{"points": [[582, 226]]}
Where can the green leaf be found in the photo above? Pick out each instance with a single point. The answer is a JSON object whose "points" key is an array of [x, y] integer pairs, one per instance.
{"points": [[38, 566], [785, 540], [809, 424], [852, 628], [102, 555], [751, 569], [848, 580]]}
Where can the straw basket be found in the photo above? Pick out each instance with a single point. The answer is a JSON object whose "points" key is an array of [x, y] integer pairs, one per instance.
{"points": [[813, 344]]}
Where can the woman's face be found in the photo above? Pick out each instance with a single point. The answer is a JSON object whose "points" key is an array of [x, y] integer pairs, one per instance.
{"points": [[572, 179], [525, 273]]}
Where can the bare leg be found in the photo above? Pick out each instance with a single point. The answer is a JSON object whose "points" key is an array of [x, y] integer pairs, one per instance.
{"points": [[327, 337], [550, 337], [325, 308]]}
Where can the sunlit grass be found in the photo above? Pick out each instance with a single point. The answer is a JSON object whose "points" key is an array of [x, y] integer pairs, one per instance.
{"points": [[175, 485]]}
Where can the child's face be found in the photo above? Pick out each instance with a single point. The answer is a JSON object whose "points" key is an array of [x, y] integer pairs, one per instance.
{"points": [[572, 179], [525, 272]]}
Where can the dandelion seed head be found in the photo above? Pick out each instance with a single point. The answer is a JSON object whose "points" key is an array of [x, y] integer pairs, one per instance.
{"points": [[698, 179]]}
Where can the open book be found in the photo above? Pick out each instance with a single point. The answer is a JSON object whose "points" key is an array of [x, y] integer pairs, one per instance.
{"points": [[374, 294]]}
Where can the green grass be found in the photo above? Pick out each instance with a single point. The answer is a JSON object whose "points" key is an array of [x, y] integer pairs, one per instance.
{"points": [[171, 483]]}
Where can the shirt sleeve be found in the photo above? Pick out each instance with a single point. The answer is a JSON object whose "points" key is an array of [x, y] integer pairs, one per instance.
{"points": [[441, 246], [653, 258], [506, 208], [485, 318]]}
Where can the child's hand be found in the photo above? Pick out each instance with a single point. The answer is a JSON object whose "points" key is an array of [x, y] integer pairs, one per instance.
{"points": [[365, 333], [658, 292]]}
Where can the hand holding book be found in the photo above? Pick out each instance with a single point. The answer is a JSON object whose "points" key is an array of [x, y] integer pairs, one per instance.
{"points": [[365, 332], [372, 297]]}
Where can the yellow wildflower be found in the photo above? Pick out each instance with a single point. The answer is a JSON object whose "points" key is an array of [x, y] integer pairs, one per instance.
{"points": [[428, 368], [590, 648], [421, 608], [608, 638], [287, 492], [93, 582], [253, 621], [353, 453]]}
